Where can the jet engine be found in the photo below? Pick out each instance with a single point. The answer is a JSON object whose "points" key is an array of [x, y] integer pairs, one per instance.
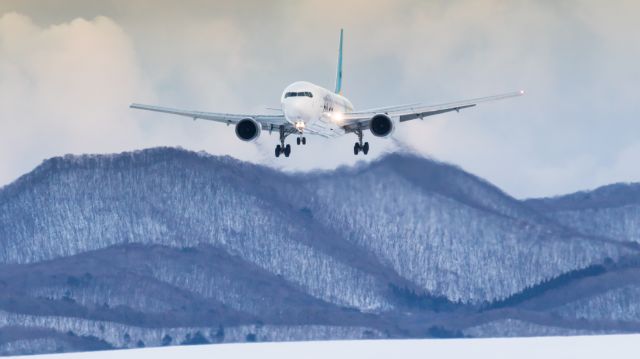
{"points": [[381, 125], [248, 129]]}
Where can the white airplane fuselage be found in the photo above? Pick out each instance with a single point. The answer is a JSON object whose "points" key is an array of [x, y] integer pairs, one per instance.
{"points": [[314, 109]]}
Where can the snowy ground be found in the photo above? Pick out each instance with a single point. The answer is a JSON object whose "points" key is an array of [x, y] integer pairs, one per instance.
{"points": [[584, 347]]}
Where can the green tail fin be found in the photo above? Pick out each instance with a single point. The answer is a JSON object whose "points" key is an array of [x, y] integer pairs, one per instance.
{"points": [[339, 75]]}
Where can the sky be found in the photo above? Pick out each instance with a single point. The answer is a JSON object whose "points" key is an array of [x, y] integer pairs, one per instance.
{"points": [[70, 68]]}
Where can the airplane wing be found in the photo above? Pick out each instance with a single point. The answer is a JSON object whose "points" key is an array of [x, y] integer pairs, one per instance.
{"points": [[359, 120], [268, 122]]}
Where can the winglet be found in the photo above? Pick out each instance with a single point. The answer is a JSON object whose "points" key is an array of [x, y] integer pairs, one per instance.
{"points": [[339, 75]]}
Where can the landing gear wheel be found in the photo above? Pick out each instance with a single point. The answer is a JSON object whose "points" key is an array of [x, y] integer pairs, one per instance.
{"points": [[298, 141], [304, 140], [287, 151], [356, 148], [278, 150], [365, 149]]}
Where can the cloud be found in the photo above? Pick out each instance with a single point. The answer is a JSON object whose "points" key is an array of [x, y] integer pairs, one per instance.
{"points": [[64, 89]]}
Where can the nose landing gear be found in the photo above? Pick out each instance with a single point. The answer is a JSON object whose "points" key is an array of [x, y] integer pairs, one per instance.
{"points": [[301, 140], [359, 146]]}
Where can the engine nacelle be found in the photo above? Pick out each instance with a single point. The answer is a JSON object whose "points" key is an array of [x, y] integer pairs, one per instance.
{"points": [[248, 129], [381, 125]]}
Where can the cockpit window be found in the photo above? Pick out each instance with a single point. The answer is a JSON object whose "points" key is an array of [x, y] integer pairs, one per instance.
{"points": [[298, 94]]}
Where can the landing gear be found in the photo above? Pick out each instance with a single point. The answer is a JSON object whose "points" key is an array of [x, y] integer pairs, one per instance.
{"points": [[304, 140], [359, 146], [282, 148], [301, 140]]}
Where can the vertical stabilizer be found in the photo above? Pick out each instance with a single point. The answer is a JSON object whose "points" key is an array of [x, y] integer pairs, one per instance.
{"points": [[339, 75]]}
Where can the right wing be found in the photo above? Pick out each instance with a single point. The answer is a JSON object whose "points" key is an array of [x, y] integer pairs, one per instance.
{"points": [[268, 122], [360, 119]]}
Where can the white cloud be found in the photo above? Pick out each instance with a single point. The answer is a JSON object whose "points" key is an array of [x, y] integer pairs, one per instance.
{"points": [[64, 89]]}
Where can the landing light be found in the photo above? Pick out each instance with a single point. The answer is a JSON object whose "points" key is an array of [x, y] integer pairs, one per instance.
{"points": [[337, 116]]}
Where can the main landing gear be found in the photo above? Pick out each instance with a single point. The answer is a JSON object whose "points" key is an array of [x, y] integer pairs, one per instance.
{"points": [[286, 150], [281, 148], [358, 147], [301, 140]]}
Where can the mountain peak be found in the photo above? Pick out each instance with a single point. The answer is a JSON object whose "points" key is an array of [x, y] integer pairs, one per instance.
{"points": [[134, 158], [609, 196]]}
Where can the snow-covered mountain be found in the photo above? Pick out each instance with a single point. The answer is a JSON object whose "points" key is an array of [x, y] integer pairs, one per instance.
{"points": [[166, 246], [611, 211]]}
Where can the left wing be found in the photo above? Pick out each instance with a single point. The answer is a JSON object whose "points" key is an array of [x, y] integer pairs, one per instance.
{"points": [[268, 122], [360, 119]]}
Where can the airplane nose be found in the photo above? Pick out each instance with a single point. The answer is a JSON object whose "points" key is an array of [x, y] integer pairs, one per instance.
{"points": [[297, 111]]}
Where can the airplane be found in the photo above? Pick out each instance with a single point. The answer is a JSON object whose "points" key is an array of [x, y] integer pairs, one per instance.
{"points": [[310, 109]]}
